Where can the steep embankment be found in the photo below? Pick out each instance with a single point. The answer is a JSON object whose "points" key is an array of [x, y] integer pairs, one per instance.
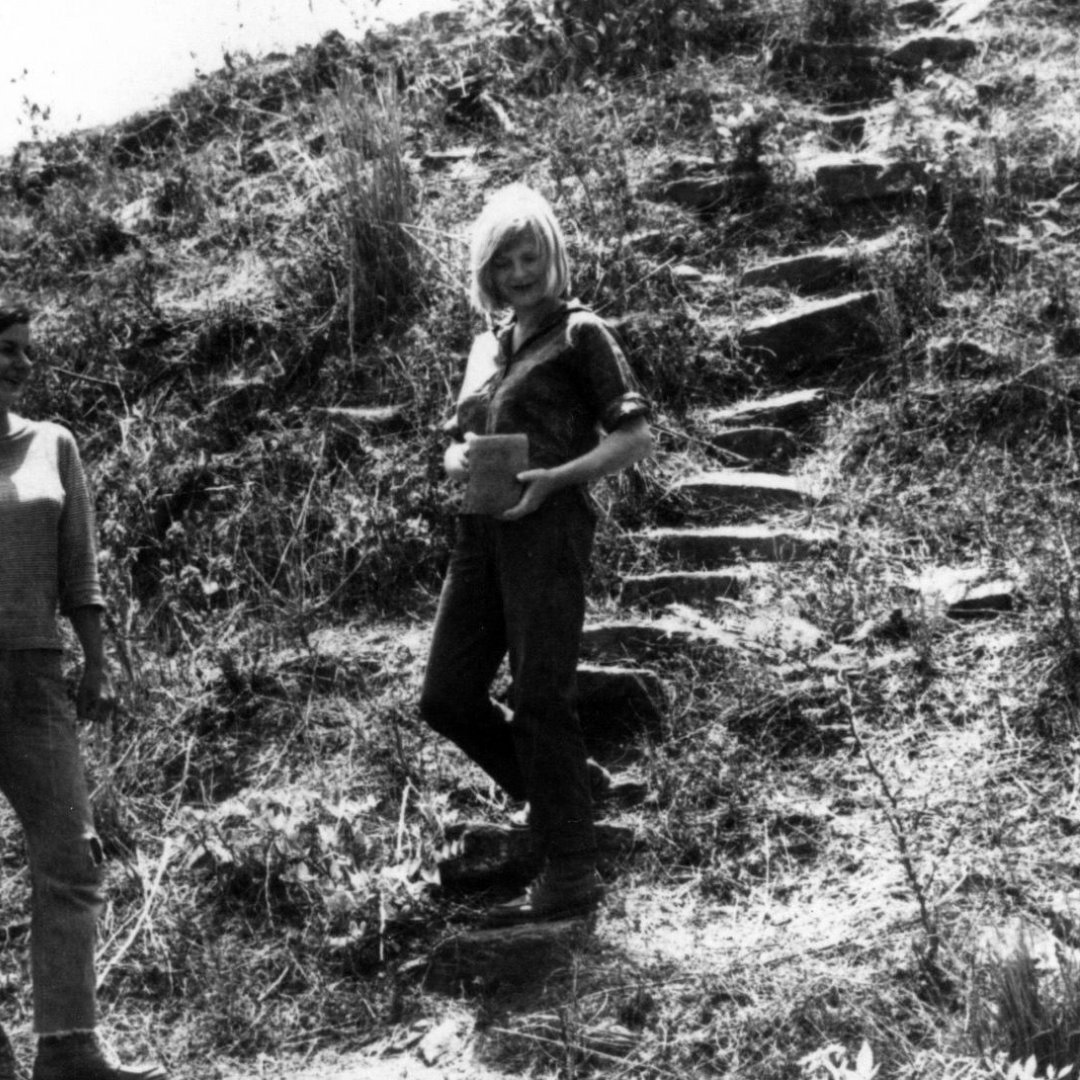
{"points": [[832, 625]]}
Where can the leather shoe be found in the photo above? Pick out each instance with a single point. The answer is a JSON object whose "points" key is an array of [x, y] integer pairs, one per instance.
{"points": [[81, 1056], [571, 891]]}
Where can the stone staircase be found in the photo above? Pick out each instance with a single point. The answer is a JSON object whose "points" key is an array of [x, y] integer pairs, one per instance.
{"points": [[727, 525]]}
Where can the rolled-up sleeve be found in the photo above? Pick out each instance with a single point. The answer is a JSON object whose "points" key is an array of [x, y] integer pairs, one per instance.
{"points": [[79, 581], [614, 391]]}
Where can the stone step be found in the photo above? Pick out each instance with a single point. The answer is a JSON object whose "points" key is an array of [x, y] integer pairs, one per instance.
{"points": [[792, 411], [731, 543], [363, 419], [689, 587], [479, 855], [817, 271], [764, 631], [843, 178], [804, 337], [505, 959], [937, 49], [724, 490], [765, 448], [618, 638], [810, 272], [616, 704]]}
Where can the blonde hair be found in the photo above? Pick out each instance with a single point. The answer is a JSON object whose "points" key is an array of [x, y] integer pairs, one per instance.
{"points": [[514, 212]]}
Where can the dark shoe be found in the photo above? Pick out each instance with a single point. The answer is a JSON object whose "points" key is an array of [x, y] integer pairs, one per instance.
{"points": [[7, 1057], [81, 1056], [565, 893]]}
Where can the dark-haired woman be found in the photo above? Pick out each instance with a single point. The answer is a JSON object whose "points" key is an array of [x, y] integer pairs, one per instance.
{"points": [[48, 567]]}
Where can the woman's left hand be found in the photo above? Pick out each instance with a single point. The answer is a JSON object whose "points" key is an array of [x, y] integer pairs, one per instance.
{"points": [[539, 484], [95, 699]]}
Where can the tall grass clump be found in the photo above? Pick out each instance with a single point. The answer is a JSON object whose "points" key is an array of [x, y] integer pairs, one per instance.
{"points": [[1027, 1004], [373, 208]]}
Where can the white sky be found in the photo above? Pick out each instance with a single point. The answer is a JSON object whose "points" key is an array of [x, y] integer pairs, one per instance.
{"points": [[95, 61]]}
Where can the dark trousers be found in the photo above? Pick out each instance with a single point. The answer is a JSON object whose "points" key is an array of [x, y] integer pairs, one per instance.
{"points": [[41, 773], [517, 589]]}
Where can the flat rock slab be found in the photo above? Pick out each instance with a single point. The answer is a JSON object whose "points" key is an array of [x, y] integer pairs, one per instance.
{"points": [[794, 410], [619, 703], [363, 422], [509, 958], [815, 270], [479, 855], [810, 333], [732, 543], [691, 587], [630, 637], [768, 448], [843, 179], [725, 490], [965, 593], [933, 49]]}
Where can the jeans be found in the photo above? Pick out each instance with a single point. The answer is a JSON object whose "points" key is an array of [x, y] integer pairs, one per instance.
{"points": [[518, 589], [41, 773]]}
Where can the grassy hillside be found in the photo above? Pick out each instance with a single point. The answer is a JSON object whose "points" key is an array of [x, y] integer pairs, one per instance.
{"points": [[862, 818]]}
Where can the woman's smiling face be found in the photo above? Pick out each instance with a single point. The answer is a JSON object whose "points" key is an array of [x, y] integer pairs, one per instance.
{"points": [[519, 273], [15, 364]]}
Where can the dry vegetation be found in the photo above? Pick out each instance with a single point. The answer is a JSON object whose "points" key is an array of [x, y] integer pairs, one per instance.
{"points": [[854, 845]]}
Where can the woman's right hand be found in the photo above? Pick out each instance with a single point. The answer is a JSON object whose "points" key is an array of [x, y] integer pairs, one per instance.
{"points": [[456, 459]]}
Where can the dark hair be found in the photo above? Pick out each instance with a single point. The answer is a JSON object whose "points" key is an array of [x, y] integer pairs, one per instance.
{"points": [[13, 312]]}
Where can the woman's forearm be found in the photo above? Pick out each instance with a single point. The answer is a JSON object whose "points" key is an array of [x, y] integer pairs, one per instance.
{"points": [[86, 622], [628, 444]]}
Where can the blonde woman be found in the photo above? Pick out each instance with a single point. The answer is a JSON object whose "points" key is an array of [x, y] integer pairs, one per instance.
{"points": [[552, 371]]}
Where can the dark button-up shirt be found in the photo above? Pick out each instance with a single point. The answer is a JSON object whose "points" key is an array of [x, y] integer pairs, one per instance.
{"points": [[564, 381]]}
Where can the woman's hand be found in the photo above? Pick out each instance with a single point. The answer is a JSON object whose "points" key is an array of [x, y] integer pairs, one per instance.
{"points": [[539, 484], [456, 459], [95, 699]]}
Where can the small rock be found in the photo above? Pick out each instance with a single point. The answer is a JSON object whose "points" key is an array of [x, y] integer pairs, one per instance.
{"points": [[964, 593], [683, 272], [917, 12], [440, 159]]}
